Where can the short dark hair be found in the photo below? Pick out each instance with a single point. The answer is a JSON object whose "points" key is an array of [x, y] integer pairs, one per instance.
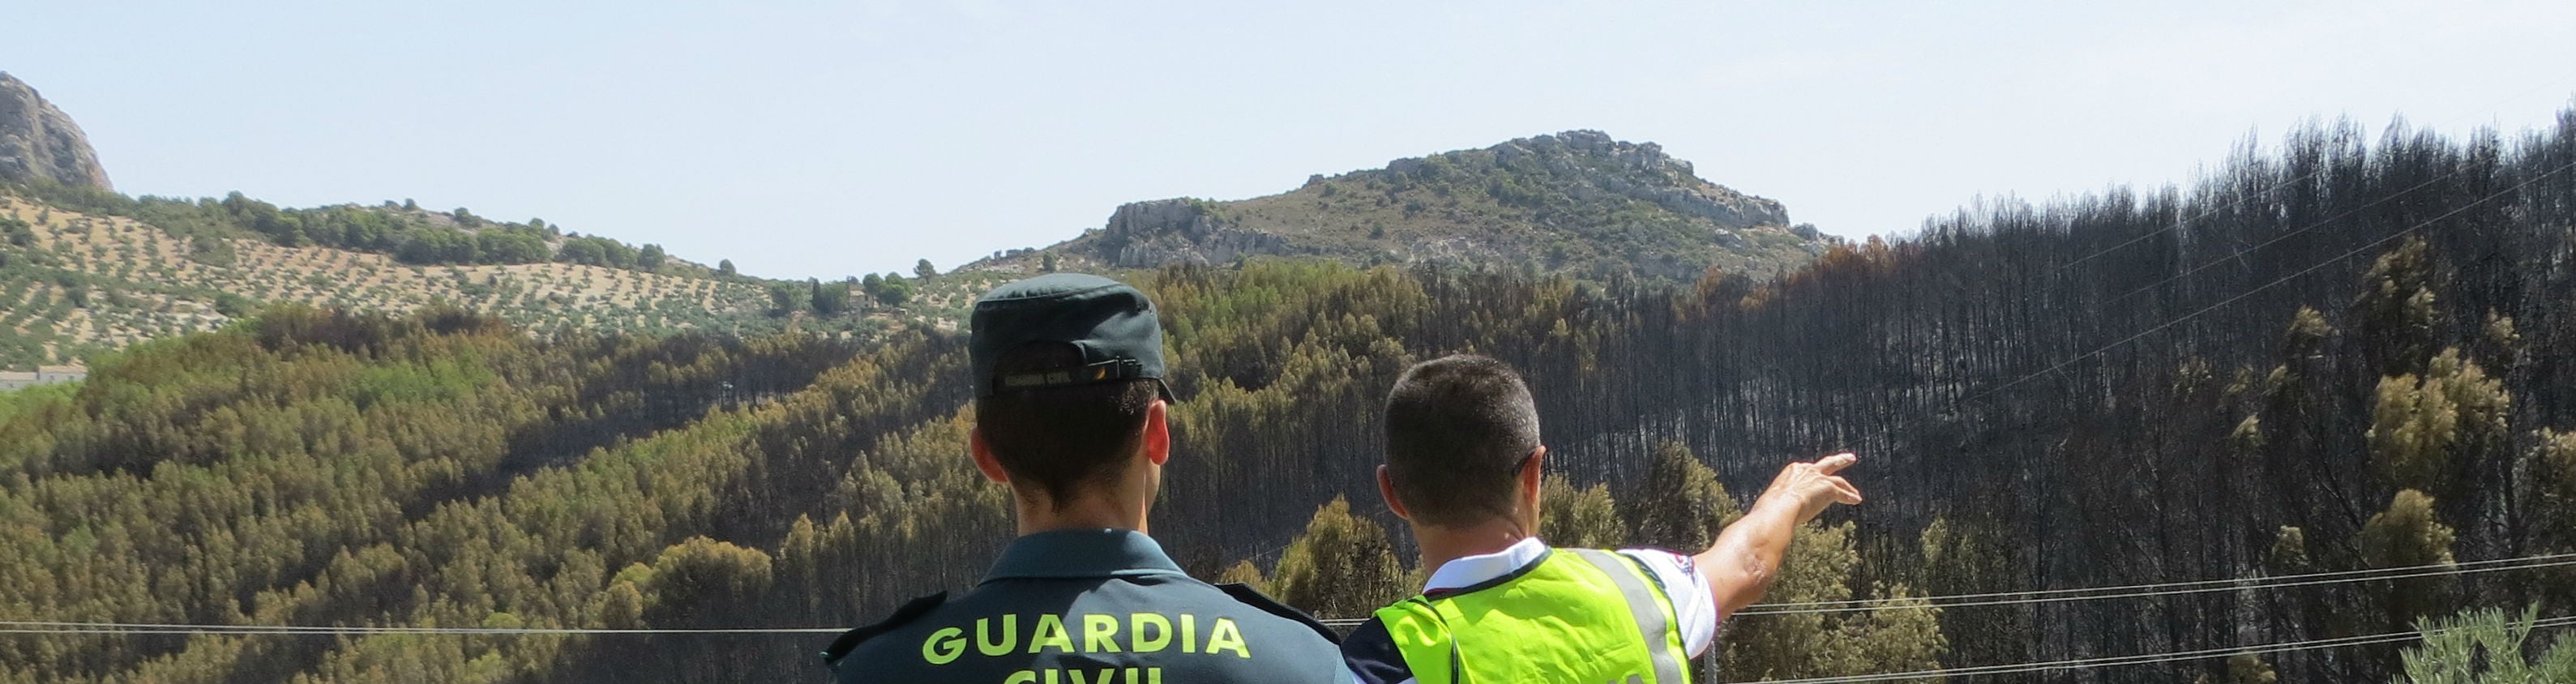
{"points": [[1060, 439], [1458, 429]]}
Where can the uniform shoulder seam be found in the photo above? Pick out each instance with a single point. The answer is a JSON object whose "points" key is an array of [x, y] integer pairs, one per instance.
{"points": [[1372, 657], [1252, 597], [911, 610]]}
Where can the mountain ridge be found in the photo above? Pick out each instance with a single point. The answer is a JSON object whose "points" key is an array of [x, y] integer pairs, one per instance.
{"points": [[1578, 202], [84, 268]]}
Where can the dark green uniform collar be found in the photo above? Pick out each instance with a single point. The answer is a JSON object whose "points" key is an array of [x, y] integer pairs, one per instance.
{"points": [[1069, 554]]}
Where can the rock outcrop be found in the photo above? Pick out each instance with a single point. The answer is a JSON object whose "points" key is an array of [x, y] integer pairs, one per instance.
{"points": [[38, 141], [1640, 171], [1176, 231]]}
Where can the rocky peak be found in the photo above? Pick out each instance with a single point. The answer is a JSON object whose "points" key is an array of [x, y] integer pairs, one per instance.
{"points": [[1146, 234], [39, 141], [1641, 171], [1597, 145]]}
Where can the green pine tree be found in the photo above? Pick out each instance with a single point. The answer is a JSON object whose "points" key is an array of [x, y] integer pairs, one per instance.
{"points": [[1342, 566]]}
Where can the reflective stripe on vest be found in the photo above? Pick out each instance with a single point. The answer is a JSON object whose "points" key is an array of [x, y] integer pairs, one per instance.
{"points": [[1581, 616], [1642, 603]]}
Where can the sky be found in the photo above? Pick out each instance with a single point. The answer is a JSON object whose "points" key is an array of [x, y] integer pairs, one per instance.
{"points": [[826, 139]]}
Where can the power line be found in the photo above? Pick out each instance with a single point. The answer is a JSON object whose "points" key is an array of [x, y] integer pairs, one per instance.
{"points": [[2191, 587], [1984, 670], [67, 627], [1895, 604], [1960, 600], [2241, 199], [2035, 597], [2138, 590], [2194, 583], [2153, 658], [2275, 283], [2212, 211], [2064, 595], [2276, 239]]}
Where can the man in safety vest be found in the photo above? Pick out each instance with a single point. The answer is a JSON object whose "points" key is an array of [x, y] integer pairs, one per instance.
{"points": [[1462, 467], [1069, 412]]}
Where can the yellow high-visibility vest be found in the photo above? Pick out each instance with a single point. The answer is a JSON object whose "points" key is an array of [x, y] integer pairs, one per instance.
{"points": [[1582, 616]]}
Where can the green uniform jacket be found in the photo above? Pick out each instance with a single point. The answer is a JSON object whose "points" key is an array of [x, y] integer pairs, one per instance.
{"points": [[1090, 607]]}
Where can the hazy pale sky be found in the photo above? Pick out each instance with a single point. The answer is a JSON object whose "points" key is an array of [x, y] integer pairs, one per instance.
{"points": [[836, 138]]}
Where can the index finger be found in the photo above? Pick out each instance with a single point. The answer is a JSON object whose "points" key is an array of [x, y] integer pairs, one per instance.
{"points": [[1844, 491], [1835, 463]]}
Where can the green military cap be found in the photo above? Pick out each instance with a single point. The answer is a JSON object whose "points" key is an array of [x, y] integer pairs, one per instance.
{"points": [[1111, 322]]}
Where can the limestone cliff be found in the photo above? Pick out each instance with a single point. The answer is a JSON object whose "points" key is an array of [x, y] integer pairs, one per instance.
{"points": [[38, 140]]}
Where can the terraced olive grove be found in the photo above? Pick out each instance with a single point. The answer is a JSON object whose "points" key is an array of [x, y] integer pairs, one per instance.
{"points": [[72, 283]]}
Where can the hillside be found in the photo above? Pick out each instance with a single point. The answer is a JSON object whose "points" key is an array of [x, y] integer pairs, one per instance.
{"points": [[84, 269], [93, 270], [2343, 356], [1577, 202], [72, 284]]}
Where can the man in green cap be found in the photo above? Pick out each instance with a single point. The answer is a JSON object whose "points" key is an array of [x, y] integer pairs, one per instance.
{"points": [[1069, 413]]}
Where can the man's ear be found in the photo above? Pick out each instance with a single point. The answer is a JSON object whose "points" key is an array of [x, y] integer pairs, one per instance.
{"points": [[1158, 434], [1531, 475], [1386, 490], [984, 461]]}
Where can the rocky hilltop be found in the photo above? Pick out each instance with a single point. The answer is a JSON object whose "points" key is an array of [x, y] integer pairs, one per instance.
{"points": [[39, 141], [1156, 232], [1578, 202]]}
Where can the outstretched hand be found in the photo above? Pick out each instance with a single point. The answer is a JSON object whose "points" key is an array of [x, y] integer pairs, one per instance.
{"points": [[1812, 486], [1741, 563]]}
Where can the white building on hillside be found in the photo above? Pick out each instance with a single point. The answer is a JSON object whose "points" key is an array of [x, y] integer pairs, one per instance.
{"points": [[17, 380]]}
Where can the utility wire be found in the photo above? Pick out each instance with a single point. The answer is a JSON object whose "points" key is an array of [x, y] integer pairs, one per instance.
{"points": [[2136, 590], [2192, 587], [2153, 658], [1986, 670], [1895, 604], [1856, 605], [2140, 590], [2242, 198], [2207, 585], [2276, 239], [1957, 600], [2370, 574], [2275, 283], [2195, 583], [64, 627]]}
